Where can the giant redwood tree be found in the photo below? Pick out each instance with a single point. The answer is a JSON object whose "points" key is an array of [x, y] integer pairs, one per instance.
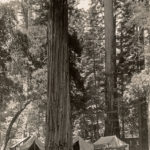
{"points": [[112, 121], [58, 106]]}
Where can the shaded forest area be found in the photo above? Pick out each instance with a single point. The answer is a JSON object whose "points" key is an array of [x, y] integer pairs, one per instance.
{"points": [[66, 71]]}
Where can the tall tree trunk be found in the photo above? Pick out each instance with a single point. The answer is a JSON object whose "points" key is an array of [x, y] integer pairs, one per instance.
{"points": [[145, 107], [58, 134], [121, 60], [148, 119], [116, 127], [26, 12], [95, 97], [111, 123], [143, 128], [147, 67]]}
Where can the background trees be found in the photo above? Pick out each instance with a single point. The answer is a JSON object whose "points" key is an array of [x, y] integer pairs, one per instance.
{"points": [[24, 58]]}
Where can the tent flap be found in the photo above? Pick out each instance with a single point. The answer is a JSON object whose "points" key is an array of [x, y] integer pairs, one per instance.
{"points": [[110, 142], [31, 141], [82, 144]]}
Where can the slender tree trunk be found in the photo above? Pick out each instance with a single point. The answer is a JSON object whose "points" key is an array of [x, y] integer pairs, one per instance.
{"points": [[146, 107], [140, 129], [111, 123], [26, 11], [143, 128], [7, 137], [58, 105], [122, 84], [116, 126], [147, 67], [95, 97], [109, 68], [148, 120]]}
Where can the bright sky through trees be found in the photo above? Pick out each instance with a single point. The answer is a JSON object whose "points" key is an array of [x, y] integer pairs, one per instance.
{"points": [[83, 3], [4, 1]]}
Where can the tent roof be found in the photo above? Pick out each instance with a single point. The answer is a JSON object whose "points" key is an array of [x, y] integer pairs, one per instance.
{"points": [[83, 145], [21, 141], [110, 141], [29, 143]]}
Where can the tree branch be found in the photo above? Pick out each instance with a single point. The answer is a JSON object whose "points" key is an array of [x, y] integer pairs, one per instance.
{"points": [[7, 138]]}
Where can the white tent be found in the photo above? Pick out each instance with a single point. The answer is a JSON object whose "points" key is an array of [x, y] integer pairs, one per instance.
{"points": [[32, 142], [111, 142], [82, 144], [17, 146]]}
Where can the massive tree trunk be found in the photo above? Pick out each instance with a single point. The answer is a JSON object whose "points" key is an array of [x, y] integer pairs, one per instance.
{"points": [[58, 105], [111, 123]]}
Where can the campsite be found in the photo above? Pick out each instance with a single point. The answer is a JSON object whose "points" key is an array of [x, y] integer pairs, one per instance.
{"points": [[74, 74], [109, 143]]}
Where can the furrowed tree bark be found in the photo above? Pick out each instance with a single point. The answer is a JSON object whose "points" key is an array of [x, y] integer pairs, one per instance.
{"points": [[143, 128], [58, 105], [116, 126], [111, 122]]}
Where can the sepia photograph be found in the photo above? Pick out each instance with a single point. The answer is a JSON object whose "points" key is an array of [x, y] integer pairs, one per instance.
{"points": [[74, 75]]}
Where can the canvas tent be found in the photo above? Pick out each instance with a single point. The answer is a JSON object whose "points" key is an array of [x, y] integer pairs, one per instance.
{"points": [[17, 146], [33, 144], [80, 144], [109, 143]]}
